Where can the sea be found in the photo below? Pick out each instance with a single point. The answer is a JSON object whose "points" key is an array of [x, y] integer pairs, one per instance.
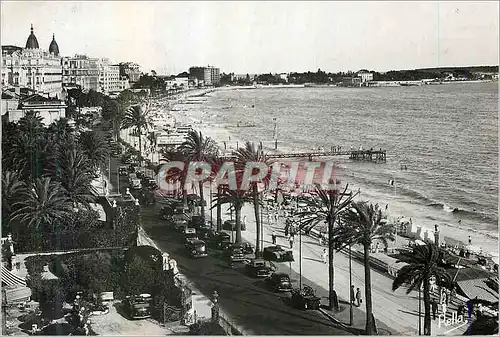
{"points": [[445, 135]]}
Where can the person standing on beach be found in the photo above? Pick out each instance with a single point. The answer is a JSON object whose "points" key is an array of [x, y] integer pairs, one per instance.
{"points": [[358, 297]]}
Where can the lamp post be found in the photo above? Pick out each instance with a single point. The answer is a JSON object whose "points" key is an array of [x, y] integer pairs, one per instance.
{"points": [[350, 287], [420, 311], [118, 178], [300, 258]]}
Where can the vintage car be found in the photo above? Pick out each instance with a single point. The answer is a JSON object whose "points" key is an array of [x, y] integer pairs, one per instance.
{"points": [[180, 224], [245, 247], [219, 239], [279, 282], [138, 307], [305, 299], [277, 254], [230, 225], [259, 268], [190, 235], [196, 248], [234, 254]]}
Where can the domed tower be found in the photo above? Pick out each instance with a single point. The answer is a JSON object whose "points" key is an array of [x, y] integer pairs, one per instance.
{"points": [[54, 48], [32, 42]]}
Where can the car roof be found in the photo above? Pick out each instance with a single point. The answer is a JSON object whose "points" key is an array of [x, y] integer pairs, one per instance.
{"points": [[280, 274]]}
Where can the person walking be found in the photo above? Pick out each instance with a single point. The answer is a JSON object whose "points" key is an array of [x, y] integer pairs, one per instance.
{"points": [[353, 295], [434, 307], [358, 297], [444, 307], [291, 241], [324, 255], [273, 236], [320, 238]]}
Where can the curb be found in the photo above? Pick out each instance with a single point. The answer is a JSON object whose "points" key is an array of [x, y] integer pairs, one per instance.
{"points": [[333, 319]]}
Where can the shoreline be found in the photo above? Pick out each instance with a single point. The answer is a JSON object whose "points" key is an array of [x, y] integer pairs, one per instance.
{"points": [[195, 117]]}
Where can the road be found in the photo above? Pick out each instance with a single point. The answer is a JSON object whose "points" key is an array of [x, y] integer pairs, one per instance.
{"points": [[248, 302]]}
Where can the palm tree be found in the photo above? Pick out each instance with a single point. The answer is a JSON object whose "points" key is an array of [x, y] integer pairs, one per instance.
{"points": [[72, 169], [236, 198], [174, 174], [137, 117], [12, 186], [326, 206], [199, 149], [216, 163], [247, 154], [43, 206], [95, 147], [422, 265], [364, 223], [25, 146]]}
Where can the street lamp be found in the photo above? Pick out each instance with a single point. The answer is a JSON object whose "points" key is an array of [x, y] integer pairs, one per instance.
{"points": [[350, 287]]}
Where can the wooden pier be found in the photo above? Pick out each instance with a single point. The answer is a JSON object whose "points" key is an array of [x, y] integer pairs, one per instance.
{"points": [[377, 156]]}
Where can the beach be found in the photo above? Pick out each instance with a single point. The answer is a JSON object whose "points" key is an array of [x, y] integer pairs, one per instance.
{"points": [[206, 117]]}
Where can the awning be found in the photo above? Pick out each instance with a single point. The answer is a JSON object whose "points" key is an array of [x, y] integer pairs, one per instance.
{"points": [[478, 288], [10, 279]]}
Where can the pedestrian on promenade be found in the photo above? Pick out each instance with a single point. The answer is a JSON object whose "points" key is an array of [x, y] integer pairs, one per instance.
{"points": [[376, 248], [358, 297], [291, 241], [324, 254], [287, 229], [434, 307], [245, 221], [353, 295], [273, 236], [444, 307], [320, 238]]}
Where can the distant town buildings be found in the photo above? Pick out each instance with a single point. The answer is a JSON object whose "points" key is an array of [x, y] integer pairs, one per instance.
{"points": [[130, 70], [82, 71], [33, 67], [207, 76], [365, 76], [109, 77]]}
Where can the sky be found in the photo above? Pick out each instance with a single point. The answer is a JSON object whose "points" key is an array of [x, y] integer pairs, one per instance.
{"points": [[263, 37]]}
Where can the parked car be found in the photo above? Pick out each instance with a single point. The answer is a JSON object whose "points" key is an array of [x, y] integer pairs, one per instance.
{"points": [[259, 268], [230, 225], [180, 224], [277, 254], [166, 213], [234, 253], [305, 299], [245, 247], [138, 307], [196, 248], [190, 234], [219, 239], [279, 282]]}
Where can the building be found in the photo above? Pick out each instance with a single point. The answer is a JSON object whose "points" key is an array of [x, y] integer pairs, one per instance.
{"points": [[50, 109], [109, 77], [82, 71], [33, 67], [284, 77], [351, 81], [207, 76], [365, 76], [177, 82], [131, 71]]}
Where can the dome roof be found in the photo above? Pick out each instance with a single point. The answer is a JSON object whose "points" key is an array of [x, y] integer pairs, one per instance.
{"points": [[54, 48], [32, 42]]}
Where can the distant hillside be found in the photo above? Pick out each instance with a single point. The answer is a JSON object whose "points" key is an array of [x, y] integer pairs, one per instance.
{"points": [[472, 69]]}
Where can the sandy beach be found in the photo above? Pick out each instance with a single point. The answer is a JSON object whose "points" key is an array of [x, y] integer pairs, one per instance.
{"points": [[201, 120]]}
